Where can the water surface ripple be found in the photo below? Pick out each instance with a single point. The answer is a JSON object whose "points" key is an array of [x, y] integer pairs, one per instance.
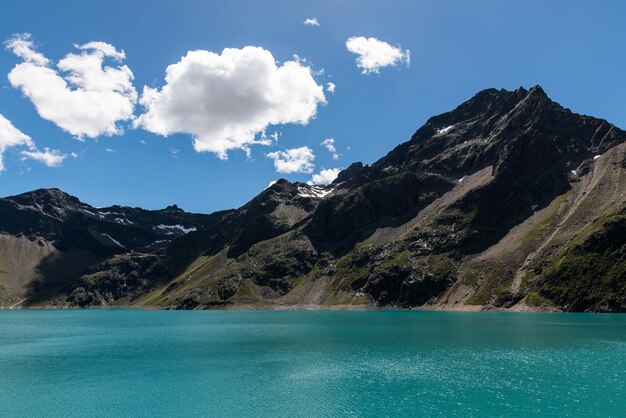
{"points": [[310, 363]]}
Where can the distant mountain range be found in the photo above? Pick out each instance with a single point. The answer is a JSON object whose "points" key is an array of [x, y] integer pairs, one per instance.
{"points": [[509, 201]]}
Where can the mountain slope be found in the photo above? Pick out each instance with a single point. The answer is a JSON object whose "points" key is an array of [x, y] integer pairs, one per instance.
{"points": [[509, 201]]}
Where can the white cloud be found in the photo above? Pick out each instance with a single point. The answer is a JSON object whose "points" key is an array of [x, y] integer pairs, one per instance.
{"points": [[225, 100], [312, 21], [10, 136], [329, 144], [325, 176], [84, 96], [271, 183], [330, 87], [295, 160], [49, 157], [374, 54]]}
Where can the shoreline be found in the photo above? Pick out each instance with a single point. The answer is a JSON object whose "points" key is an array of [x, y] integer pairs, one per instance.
{"points": [[302, 308]]}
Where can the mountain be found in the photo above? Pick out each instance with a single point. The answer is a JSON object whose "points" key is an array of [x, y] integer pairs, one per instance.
{"points": [[509, 201], [48, 239]]}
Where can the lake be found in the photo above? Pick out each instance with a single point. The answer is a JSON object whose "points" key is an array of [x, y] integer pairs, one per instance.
{"points": [[310, 363]]}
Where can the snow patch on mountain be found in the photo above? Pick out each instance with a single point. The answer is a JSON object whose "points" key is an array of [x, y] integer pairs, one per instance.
{"points": [[313, 191], [181, 228], [445, 130], [116, 242]]}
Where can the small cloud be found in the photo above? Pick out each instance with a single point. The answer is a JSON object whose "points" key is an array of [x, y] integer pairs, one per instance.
{"points": [[330, 87], [268, 139], [325, 176], [296, 160], [22, 171], [271, 183], [49, 157], [174, 152], [312, 21], [329, 144], [109, 150], [10, 136], [143, 142], [374, 54]]}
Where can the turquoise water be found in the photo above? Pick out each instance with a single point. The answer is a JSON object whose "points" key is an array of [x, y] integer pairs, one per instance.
{"points": [[247, 363]]}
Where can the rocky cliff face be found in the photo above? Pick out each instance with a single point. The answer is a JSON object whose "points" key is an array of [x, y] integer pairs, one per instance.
{"points": [[509, 201]]}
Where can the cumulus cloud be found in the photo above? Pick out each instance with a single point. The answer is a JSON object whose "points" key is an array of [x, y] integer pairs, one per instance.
{"points": [[330, 87], [374, 54], [325, 176], [312, 21], [49, 157], [83, 96], [226, 100], [295, 160], [329, 144], [10, 136]]}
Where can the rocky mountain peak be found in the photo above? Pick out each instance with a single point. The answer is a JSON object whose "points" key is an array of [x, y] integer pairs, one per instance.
{"points": [[173, 208], [52, 197], [537, 90]]}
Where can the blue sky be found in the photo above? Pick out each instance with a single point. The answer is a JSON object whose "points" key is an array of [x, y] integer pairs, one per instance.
{"points": [[575, 49]]}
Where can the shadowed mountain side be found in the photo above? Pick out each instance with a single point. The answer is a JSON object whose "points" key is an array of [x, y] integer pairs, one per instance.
{"points": [[57, 270]]}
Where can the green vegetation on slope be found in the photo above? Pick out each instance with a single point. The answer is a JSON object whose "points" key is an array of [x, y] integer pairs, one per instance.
{"points": [[590, 273]]}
